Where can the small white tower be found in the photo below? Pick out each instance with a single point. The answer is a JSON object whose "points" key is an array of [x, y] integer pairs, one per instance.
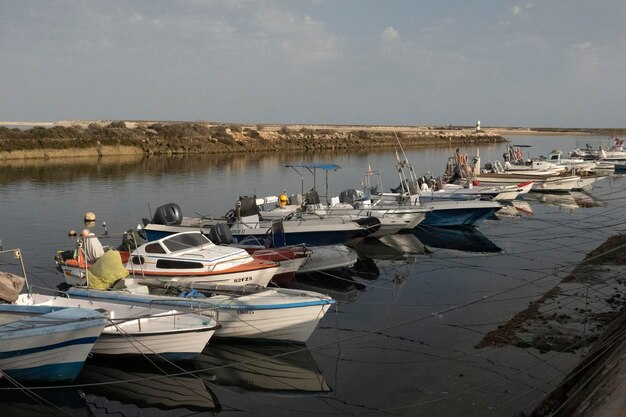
{"points": [[478, 126]]}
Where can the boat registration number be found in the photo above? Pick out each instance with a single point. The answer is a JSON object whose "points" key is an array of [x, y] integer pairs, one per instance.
{"points": [[244, 279]]}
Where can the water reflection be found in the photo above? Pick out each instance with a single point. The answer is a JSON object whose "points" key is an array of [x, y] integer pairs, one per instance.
{"points": [[339, 285], [515, 208], [466, 239], [42, 402], [262, 367], [399, 247], [131, 388], [568, 200]]}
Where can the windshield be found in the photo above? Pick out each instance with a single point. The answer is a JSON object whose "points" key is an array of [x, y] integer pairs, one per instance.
{"points": [[185, 241]]}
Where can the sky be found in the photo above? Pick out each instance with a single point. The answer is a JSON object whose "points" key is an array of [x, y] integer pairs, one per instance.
{"points": [[550, 63]]}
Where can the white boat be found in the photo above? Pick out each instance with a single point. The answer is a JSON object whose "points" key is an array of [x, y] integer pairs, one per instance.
{"points": [[252, 313], [474, 189], [309, 206], [45, 343], [191, 257], [140, 330], [245, 224]]}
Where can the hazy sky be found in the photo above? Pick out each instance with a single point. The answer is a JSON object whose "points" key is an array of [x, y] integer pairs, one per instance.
{"points": [[402, 62]]}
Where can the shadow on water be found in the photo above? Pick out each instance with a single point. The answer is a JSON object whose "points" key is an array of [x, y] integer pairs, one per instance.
{"points": [[466, 239], [279, 368], [60, 401], [127, 387]]}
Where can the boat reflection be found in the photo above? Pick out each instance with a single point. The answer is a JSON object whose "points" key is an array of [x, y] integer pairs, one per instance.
{"points": [[515, 208], [466, 239], [338, 284], [375, 253], [262, 367], [569, 200], [129, 388], [41, 402], [396, 247]]}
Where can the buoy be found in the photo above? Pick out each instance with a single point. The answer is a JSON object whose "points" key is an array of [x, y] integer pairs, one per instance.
{"points": [[71, 233], [90, 216], [283, 199]]}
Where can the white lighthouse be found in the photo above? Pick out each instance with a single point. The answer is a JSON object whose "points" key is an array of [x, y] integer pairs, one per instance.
{"points": [[478, 126]]}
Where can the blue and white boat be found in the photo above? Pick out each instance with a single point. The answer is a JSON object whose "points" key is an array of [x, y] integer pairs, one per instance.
{"points": [[246, 225], [46, 343], [251, 312], [42, 343], [140, 330]]}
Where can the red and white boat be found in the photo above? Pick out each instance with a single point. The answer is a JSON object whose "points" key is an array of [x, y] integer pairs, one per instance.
{"points": [[187, 257]]}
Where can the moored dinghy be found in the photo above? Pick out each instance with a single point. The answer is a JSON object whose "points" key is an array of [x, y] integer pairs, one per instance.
{"points": [[140, 330], [41, 343], [249, 312]]}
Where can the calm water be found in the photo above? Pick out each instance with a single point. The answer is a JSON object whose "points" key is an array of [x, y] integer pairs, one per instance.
{"points": [[402, 338]]}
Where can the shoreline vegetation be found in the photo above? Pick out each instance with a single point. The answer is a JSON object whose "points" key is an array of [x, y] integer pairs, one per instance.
{"points": [[77, 138]]}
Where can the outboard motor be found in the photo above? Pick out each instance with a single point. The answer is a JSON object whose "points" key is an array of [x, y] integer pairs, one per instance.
{"points": [[168, 215], [296, 199], [349, 196], [247, 206], [312, 197], [220, 234]]}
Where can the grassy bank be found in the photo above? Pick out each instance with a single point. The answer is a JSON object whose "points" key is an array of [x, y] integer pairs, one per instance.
{"points": [[119, 138]]}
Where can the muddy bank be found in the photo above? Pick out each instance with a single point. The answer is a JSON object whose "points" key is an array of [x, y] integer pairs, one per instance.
{"points": [[120, 138], [574, 314], [585, 313]]}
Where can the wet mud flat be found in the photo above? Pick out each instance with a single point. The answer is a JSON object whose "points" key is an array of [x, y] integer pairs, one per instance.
{"points": [[585, 311]]}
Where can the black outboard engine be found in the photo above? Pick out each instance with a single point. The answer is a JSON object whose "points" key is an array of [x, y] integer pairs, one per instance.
{"points": [[247, 206], [348, 196], [168, 215], [220, 234], [312, 197]]}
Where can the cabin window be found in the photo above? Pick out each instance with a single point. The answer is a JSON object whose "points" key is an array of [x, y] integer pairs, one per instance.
{"points": [[185, 241], [173, 264], [154, 248], [138, 260]]}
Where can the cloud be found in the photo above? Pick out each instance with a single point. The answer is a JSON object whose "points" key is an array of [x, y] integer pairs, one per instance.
{"points": [[300, 38], [390, 34], [518, 10]]}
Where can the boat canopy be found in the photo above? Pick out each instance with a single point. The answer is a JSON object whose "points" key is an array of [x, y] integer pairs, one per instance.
{"points": [[314, 165]]}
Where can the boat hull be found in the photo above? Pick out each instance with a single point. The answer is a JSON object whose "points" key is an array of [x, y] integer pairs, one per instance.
{"points": [[140, 330], [271, 314], [51, 354]]}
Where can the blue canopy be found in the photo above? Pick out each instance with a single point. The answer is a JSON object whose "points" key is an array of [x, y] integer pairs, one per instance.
{"points": [[314, 165]]}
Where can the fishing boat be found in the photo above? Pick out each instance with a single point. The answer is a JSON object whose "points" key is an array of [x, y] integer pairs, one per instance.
{"points": [[494, 174], [441, 213], [249, 312], [43, 343], [245, 223], [161, 333], [309, 205]]}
